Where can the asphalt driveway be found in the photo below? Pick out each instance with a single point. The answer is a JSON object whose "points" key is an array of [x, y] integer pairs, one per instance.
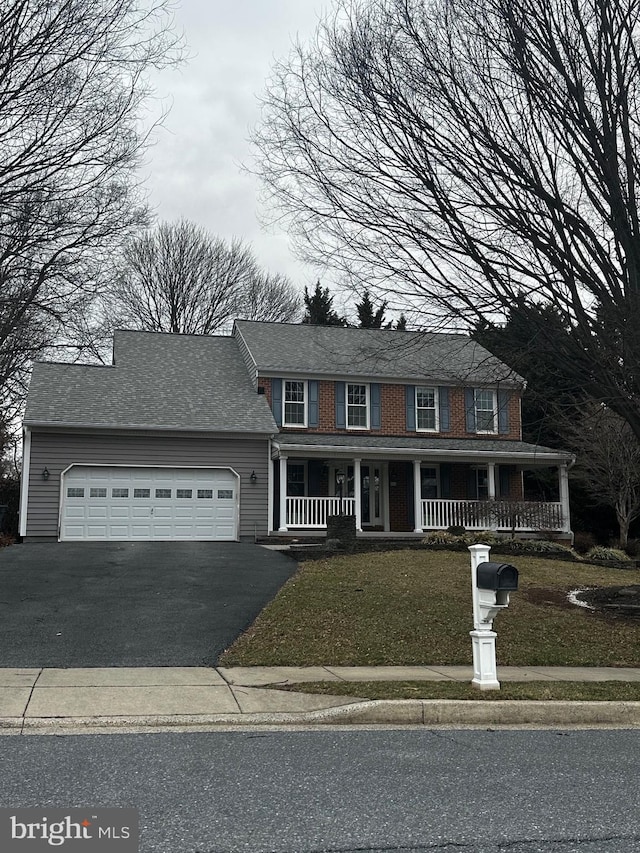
{"points": [[99, 604]]}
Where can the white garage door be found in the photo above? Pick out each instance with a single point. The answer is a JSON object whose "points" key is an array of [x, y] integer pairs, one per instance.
{"points": [[111, 503]]}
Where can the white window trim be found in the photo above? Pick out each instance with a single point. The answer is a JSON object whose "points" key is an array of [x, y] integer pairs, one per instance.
{"points": [[494, 396], [305, 386], [436, 403], [367, 405], [305, 466], [484, 470], [436, 466]]}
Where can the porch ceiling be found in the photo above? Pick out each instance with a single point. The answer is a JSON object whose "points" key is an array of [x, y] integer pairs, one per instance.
{"points": [[427, 447]]}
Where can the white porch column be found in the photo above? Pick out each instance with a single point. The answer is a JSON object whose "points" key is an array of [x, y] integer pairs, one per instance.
{"points": [[417, 498], [357, 494], [563, 482], [491, 480], [283, 495]]}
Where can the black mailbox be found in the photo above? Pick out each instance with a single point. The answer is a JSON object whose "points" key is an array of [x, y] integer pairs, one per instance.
{"points": [[499, 576]]}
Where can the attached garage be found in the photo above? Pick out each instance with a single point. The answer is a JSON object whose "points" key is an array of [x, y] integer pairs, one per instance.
{"points": [[105, 503], [171, 442]]}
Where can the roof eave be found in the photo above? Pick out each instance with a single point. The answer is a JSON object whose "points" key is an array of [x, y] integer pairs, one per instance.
{"points": [[461, 455], [31, 423]]}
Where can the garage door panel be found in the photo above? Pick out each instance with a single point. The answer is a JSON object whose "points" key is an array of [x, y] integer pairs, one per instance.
{"points": [[105, 503], [76, 512], [120, 512], [94, 513], [140, 512]]}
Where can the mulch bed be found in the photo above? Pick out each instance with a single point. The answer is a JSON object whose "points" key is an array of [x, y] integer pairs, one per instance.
{"points": [[618, 601]]}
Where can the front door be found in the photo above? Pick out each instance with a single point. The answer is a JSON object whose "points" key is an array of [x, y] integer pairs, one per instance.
{"points": [[371, 495], [371, 490]]}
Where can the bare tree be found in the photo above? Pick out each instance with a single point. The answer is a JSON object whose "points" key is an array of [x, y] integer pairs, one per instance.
{"points": [[269, 297], [608, 464], [466, 154], [72, 87], [178, 278]]}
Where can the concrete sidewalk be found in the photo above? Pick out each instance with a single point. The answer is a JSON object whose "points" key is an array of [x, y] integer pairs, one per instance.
{"points": [[37, 701]]}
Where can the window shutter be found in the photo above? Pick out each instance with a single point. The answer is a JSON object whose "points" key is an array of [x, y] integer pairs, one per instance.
{"points": [[443, 404], [504, 480], [374, 398], [314, 469], [410, 494], [341, 411], [410, 391], [276, 400], [445, 481], [313, 403], [472, 485], [503, 412], [470, 409]]}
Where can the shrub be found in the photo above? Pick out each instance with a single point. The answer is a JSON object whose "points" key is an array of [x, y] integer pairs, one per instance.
{"points": [[583, 541], [441, 537], [633, 548], [456, 530], [540, 546], [473, 537], [601, 552]]}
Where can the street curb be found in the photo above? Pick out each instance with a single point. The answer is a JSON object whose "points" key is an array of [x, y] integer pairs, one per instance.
{"points": [[409, 712]]}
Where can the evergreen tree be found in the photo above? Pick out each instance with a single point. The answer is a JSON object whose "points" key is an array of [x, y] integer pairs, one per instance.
{"points": [[319, 308], [370, 319], [401, 325]]}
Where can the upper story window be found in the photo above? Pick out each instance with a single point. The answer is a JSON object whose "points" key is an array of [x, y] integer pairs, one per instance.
{"points": [[426, 409], [294, 401], [485, 410], [357, 406]]}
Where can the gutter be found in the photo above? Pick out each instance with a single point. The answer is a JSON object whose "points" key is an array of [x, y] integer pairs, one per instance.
{"points": [[144, 427], [24, 479]]}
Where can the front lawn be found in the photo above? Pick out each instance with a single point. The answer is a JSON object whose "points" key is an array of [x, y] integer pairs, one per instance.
{"points": [[542, 691], [414, 607]]}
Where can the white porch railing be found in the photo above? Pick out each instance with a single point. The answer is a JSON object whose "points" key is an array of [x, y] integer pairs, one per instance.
{"points": [[491, 515], [313, 512]]}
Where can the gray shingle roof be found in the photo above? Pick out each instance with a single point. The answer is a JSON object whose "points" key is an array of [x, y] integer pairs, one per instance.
{"points": [[519, 450], [161, 381], [372, 353]]}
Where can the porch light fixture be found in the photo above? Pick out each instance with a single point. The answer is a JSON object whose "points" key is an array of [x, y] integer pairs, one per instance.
{"points": [[253, 477], [45, 473]]}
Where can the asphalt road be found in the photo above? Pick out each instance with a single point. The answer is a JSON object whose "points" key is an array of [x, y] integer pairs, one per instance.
{"points": [[346, 791], [131, 603]]}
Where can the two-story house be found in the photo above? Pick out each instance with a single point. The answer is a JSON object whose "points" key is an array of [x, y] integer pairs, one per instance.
{"points": [[273, 429]]}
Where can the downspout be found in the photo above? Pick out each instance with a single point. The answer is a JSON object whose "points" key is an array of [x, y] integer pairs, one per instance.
{"points": [[24, 480]]}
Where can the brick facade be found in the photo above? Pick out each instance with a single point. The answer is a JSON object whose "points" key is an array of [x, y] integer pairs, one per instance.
{"points": [[393, 413]]}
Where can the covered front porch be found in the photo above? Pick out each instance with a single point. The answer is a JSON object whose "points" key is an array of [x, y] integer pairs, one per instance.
{"points": [[438, 487]]}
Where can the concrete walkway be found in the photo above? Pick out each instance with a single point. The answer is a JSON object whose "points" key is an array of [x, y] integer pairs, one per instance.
{"points": [[38, 701]]}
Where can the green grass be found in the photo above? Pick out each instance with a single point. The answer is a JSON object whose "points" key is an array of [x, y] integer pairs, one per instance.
{"points": [[627, 691], [414, 607]]}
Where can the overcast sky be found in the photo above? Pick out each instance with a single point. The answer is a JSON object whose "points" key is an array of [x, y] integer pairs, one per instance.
{"points": [[194, 169]]}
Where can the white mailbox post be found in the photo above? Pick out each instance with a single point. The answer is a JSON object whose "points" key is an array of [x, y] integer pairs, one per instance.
{"points": [[490, 586]]}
